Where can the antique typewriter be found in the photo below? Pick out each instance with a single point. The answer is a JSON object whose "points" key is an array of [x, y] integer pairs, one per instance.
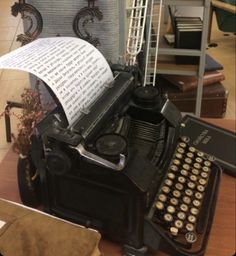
{"points": [[124, 169]]}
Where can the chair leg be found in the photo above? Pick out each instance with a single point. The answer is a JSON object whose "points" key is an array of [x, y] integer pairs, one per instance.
{"points": [[8, 124], [210, 24], [10, 104]]}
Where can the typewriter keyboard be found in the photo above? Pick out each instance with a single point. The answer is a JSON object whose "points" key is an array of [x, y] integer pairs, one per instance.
{"points": [[183, 195]]}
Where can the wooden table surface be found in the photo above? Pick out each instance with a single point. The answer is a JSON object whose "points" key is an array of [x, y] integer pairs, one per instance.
{"points": [[222, 236]]}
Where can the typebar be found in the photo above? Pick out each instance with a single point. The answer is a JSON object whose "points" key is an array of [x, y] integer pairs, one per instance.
{"points": [[113, 98]]}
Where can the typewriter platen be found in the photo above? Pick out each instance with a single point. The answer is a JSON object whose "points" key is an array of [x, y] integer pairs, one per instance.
{"points": [[123, 169]]}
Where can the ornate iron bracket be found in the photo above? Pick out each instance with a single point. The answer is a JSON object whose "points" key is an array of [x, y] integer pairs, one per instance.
{"points": [[83, 17], [27, 12]]}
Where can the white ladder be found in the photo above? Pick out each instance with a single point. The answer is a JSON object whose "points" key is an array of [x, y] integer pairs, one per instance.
{"points": [[153, 34], [136, 30]]}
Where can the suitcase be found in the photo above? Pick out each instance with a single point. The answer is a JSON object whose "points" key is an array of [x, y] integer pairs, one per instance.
{"points": [[214, 101]]}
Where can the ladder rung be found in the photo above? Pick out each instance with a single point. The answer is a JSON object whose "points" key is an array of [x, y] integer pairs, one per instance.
{"points": [[137, 7], [134, 37], [136, 18], [136, 27], [131, 48]]}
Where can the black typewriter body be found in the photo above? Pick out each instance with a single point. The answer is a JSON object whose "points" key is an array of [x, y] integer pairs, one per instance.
{"points": [[117, 170]]}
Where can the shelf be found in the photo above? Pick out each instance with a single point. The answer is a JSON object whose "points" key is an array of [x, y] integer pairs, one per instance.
{"points": [[175, 51], [173, 69], [167, 51], [166, 61], [193, 3], [170, 68]]}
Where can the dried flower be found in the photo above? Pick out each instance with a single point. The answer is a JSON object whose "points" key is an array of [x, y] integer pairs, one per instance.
{"points": [[32, 114]]}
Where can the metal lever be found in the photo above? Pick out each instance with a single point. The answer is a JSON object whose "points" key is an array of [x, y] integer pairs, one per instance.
{"points": [[99, 160]]}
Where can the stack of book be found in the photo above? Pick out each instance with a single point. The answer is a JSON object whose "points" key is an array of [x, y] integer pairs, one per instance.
{"points": [[188, 35], [182, 90]]}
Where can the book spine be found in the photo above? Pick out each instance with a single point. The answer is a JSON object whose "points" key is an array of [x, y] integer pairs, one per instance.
{"points": [[213, 79], [207, 80]]}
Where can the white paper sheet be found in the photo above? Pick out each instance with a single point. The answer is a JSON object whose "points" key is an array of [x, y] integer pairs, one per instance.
{"points": [[74, 69], [2, 223]]}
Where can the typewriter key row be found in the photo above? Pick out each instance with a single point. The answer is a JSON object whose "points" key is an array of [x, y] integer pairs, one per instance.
{"points": [[180, 198]]}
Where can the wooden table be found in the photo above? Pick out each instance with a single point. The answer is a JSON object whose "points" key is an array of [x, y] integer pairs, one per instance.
{"points": [[222, 237]]}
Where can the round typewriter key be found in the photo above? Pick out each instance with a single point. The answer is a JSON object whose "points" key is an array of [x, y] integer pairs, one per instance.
{"points": [[168, 217], [190, 227], [192, 149], [195, 171], [174, 231], [196, 203], [207, 163], [188, 160], [198, 195], [165, 189], [170, 209], [205, 169], [174, 201], [174, 168], [191, 237], [202, 182], [200, 188], [162, 198], [194, 211], [191, 185], [188, 192], [193, 177], [168, 182], [184, 138], [184, 207], [159, 205], [176, 193], [179, 186], [181, 215], [171, 175], [178, 155], [211, 158], [180, 150], [182, 144], [186, 200], [197, 165], [179, 223], [186, 166], [184, 172], [190, 155], [176, 162], [198, 160], [204, 174], [181, 179], [200, 154], [192, 219]]}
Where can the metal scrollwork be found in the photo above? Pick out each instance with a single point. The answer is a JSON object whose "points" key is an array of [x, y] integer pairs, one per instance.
{"points": [[84, 16], [31, 14]]}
